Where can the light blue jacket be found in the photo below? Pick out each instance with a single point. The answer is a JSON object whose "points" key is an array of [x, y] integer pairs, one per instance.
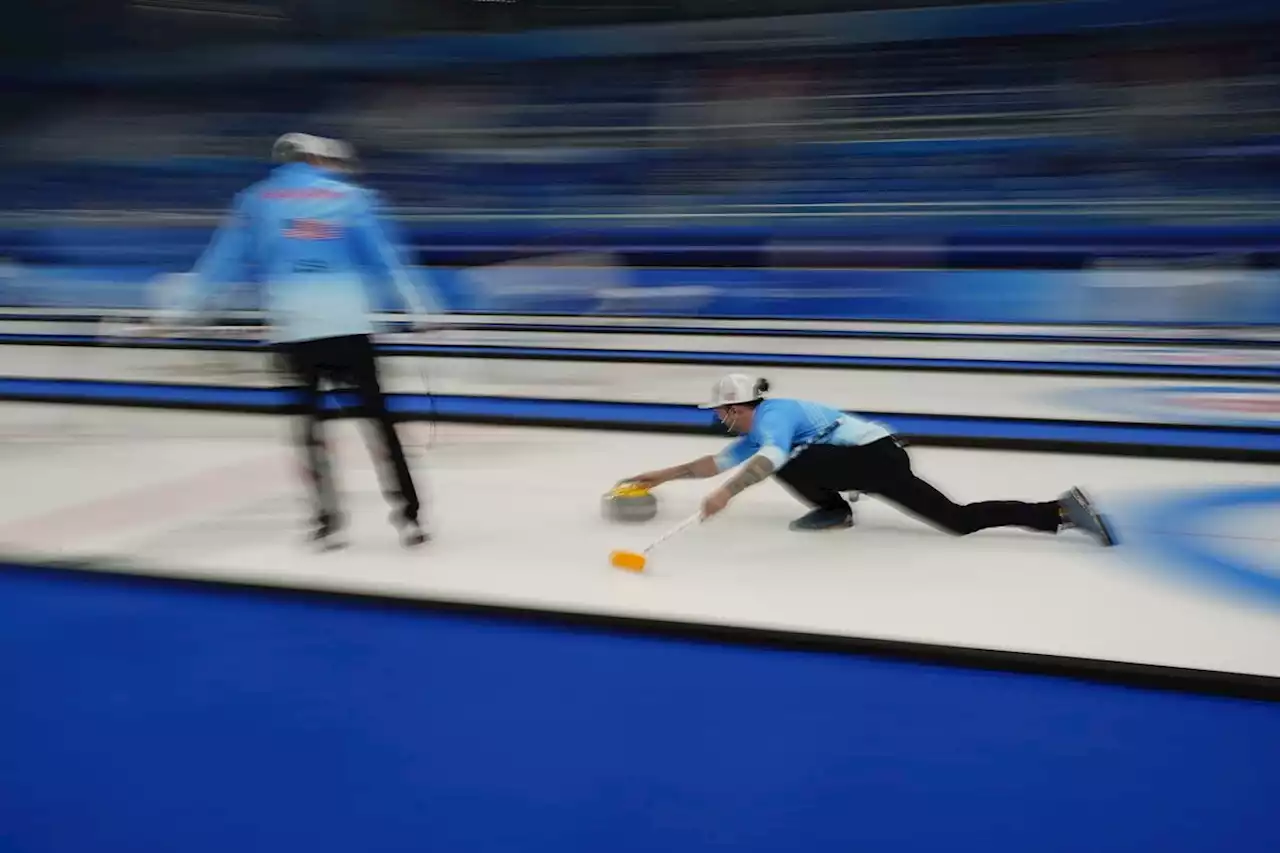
{"points": [[315, 244], [783, 426]]}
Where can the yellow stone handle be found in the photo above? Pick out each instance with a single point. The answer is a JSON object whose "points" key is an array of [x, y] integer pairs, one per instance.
{"points": [[629, 490]]}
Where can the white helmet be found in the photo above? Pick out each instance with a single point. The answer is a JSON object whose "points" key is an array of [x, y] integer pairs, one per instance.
{"points": [[734, 389], [291, 146]]}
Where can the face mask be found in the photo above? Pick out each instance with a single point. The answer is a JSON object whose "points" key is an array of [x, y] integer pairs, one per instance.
{"points": [[730, 420]]}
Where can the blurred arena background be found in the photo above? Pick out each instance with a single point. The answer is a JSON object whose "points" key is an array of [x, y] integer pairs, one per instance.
{"points": [[1092, 137]]}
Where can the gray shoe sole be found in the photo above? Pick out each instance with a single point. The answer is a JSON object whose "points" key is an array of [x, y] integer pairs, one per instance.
{"points": [[1082, 514], [845, 525]]}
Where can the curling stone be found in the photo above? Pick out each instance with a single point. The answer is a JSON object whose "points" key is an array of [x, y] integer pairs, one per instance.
{"points": [[629, 504]]}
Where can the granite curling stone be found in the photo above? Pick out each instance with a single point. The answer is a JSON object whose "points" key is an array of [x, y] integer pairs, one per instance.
{"points": [[629, 504]]}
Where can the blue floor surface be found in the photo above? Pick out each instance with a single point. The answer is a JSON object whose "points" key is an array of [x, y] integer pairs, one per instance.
{"points": [[140, 716]]}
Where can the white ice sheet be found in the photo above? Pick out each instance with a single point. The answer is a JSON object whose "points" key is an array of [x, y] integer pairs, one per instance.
{"points": [[516, 513]]}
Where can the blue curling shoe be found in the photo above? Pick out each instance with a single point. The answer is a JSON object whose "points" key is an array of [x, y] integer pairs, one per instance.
{"points": [[1080, 513], [824, 519]]}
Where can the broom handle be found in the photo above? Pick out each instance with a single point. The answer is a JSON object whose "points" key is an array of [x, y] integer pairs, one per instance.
{"points": [[691, 520]]}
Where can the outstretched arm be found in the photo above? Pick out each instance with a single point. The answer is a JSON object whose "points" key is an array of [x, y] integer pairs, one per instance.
{"points": [[699, 469], [771, 454], [756, 470]]}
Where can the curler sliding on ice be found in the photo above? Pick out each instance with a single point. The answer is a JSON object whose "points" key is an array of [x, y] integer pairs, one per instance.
{"points": [[818, 453]]}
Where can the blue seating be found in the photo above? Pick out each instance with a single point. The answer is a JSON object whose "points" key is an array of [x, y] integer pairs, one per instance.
{"points": [[907, 125]]}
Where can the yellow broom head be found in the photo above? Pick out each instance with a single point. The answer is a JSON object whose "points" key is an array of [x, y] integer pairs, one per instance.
{"points": [[628, 561]]}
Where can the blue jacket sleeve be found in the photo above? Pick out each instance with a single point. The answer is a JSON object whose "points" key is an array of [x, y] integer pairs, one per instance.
{"points": [[227, 258], [774, 432], [735, 454], [377, 245]]}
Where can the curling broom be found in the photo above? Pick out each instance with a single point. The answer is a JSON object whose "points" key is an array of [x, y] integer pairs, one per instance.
{"points": [[635, 561]]}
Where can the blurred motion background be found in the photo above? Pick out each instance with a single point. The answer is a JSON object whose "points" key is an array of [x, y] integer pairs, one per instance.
{"points": [[760, 135], [1003, 226]]}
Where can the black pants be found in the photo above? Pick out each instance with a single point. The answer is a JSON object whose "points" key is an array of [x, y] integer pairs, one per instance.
{"points": [[350, 361], [819, 473]]}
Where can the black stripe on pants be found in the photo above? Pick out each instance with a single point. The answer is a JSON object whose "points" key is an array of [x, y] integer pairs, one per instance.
{"points": [[349, 360], [819, 473]]}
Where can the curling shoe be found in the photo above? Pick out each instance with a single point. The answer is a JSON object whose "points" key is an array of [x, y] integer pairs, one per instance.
{"points": [[823, 519], [410, 529], [1078, 511], [327, 536]]}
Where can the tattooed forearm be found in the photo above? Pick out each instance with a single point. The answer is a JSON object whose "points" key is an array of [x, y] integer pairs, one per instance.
{"points": [[698, 469], [758, 468]]}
